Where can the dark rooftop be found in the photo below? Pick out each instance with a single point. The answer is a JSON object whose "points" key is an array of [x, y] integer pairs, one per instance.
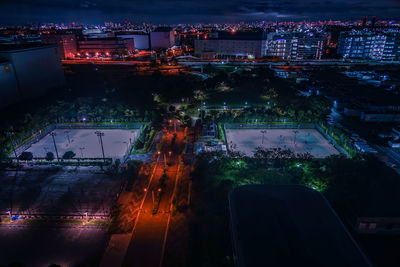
{"points": [[224, 35], [163, 29], [23, 47], [289, 225]]}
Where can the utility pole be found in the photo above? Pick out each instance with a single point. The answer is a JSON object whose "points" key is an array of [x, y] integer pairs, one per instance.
{"points": [[54, 142], [295, 132], [14, 144], [81, 149], [263, 132], [100, 134], [67, 133]]}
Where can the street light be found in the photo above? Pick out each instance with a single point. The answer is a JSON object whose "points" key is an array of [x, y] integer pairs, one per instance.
{"points": [[100, 135], [263, 132], [295, 132], [54, 142], [67, 133], [81, 149], [14, 146]]}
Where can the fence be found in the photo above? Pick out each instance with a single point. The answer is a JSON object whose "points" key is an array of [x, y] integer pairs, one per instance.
{"points": [[36, 137], [270, 126]]}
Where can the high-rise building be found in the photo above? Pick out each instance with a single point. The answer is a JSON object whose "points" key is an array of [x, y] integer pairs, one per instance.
{"points": [[369, 45], [294, 46], [66, 42]]}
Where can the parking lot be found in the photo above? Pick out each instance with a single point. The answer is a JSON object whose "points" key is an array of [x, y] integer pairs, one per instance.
{"points": [[71, 191]]}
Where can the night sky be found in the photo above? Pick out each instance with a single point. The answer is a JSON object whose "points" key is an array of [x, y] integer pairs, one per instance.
{"points": [[191, 11]]}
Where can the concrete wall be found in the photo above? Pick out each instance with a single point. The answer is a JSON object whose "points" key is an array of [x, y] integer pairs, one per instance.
{"points": [[141, 40], [8, 85], [237, 48], [36, 70], [162, 40]]}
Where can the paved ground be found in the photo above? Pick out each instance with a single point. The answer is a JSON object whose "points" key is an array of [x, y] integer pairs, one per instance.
{"points": [[85, 143], [301, 141], [41, 246], [150, 232], [66, 191]]}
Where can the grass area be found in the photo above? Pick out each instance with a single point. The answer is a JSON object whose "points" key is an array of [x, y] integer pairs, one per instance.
{"points": [[221, 132], [145, 141], [51, 221]]}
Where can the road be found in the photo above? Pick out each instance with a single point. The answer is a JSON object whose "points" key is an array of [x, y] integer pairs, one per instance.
{"points": [[151, 227]]}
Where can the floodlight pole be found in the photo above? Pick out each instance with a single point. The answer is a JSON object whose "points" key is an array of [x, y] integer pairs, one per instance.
{"points": [[54, 142], [81, 149], [67, 133], [100, 134], [14, 144], [263, 132]]}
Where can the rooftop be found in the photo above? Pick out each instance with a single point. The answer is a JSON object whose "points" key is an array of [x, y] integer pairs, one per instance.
{"points": [[11, 48], [289, 225]]}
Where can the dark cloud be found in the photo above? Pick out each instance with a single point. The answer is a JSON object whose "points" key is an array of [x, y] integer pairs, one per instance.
{"points": [[181, 11]]}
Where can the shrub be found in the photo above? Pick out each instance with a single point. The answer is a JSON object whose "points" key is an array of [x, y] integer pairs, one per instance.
{"points": [[26, 156], [68, 155], [49, 156]]}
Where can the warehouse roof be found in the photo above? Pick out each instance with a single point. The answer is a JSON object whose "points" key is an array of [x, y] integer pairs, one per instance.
{"points": [[289, 225]]}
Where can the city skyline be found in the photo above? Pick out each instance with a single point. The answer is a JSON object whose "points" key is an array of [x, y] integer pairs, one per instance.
{"points": [[177, 11]]}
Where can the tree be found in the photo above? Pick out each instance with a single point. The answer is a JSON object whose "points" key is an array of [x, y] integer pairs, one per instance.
{"points": [[26, 156], [49, 156], [68, 155]]}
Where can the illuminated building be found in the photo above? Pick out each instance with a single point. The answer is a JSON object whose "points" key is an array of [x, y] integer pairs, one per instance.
{"points": [[107, 46], [293, 46], [232, 45], [369, 45], [66, 42]]}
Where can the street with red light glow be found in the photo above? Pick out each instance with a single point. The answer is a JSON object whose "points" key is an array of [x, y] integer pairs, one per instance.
{"points": [[151, 226]]}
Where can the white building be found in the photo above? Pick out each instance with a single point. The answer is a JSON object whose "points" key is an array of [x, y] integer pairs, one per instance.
{"points": [[141, 39]]}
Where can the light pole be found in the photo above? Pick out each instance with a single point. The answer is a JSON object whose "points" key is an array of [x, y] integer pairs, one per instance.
{"points": [[14, 146], [263, 132], [127, 146], [295, 132], [54, 142], [100, 134], [67, 133], [81, 149]]}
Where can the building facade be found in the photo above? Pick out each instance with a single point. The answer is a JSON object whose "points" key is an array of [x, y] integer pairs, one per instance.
{"points": [[162, 38], [291, 46], [29, 71], [369, 45], [238, 45], [107, 46], [141, 39], [66, 42]]}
